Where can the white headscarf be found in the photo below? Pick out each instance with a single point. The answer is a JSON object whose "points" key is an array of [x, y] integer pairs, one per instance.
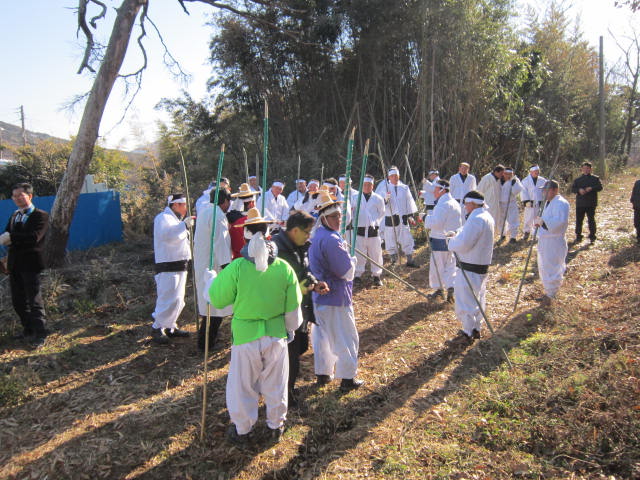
{"points": [[258, 250]]}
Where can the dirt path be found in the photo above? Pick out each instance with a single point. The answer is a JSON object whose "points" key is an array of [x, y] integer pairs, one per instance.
{"points": [[100, 402]]}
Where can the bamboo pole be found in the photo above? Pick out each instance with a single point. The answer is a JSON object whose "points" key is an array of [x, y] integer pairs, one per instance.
{"points": [[363, 170], [347, 183]]}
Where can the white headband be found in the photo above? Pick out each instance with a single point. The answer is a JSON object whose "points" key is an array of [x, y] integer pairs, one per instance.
{"points": [[314, 182], [394, 171], [508, 170], [301, 180], [342, 179], [368, 179], [329, 210], [170, 200], [534, 168], [330, 185], [252, 176], [477, 201], [277, 184]]}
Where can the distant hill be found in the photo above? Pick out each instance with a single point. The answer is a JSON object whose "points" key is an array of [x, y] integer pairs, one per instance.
{"points": [[11, 135]]}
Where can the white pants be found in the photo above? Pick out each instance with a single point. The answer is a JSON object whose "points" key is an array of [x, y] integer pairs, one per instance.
{"points": [[552, 252], [372, 247], [170, 288], [513, 219], [404, 239], [530, 214], [467, 309], [335, 341], [445, 263], [258, 367]]}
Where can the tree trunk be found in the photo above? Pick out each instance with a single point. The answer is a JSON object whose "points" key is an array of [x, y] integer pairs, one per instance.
{"points": [[78, 165]]}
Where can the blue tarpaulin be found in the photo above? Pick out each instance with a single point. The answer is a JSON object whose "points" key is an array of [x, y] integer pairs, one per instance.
{"points": [[96, 220]]}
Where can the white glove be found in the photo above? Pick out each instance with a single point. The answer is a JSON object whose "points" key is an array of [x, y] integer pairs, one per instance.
{"points": [[5, 239], [189, 222], [290, 336], [208, 277], [537, 221]]}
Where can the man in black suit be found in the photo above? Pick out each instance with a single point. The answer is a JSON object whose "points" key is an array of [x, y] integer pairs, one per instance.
{"points": [[635, 201], [24, 235], [586, 188]]}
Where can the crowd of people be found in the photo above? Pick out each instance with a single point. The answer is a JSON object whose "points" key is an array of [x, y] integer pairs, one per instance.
{"points": [[284, 268]]}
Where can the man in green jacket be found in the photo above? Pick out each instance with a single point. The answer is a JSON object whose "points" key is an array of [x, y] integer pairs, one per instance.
{"points": [[265, 295]]}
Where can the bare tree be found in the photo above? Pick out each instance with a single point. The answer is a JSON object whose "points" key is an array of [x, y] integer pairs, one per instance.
{"points": [[110, 61], [631, 75]]}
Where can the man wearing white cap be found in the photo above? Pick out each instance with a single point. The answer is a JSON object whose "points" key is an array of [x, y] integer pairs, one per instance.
{"points": [[474, 246], [552, 244], [172, 254], [334, 336], [490, 187], [428, 187], [276, 208], [221, 258], [298, 193], [462, 182], [445, 217], [368, 239], [342, 183], [532, 197], [400, 208], [510, 188], [253, 183], [266, 296]]}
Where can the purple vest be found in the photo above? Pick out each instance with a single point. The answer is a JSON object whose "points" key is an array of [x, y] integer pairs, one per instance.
{"points": [[329, 260]]}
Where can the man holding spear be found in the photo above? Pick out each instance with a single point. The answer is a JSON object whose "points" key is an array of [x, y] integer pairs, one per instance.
{"points": [[370, 214], [474, 246]]}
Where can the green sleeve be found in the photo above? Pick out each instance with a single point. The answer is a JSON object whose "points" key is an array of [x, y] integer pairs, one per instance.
{"points": [[224, 288], [294, 295]]}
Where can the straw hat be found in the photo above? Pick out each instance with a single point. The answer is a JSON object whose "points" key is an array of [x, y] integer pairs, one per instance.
{"points": [[253, 218], [325, 200], [244, 191]]}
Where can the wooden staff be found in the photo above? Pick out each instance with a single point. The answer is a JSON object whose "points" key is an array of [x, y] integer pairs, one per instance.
{"points": [[265, 155], [206, 338]]}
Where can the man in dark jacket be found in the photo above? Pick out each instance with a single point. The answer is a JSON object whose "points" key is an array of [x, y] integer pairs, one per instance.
{"points": [[293, 245], [635, 201], [586, 188], [24, 235]]}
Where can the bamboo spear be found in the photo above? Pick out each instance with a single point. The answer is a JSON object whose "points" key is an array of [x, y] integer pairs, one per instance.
{"points": [[265, 155], [211, 257], [246, 164], [363, 170], [347, 187]]}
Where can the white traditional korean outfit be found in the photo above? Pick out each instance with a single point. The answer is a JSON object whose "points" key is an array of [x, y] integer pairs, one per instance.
{"points": [[371, 215], [474, 245], [490, 187], [509, 208], [552, 245], [402, 204], [531, 192], [445, 217]]}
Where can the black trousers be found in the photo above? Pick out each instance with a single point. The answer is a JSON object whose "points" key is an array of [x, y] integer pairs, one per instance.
{"points": [[27, 302], [214, 326], [299, 345], [636, 221], [590, 212]]}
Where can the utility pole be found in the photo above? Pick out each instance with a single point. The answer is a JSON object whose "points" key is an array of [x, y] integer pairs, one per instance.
{"points": [[24, 132], [602, 165]]}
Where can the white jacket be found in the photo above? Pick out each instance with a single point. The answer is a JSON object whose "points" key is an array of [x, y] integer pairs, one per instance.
{"points": [[445, 217], [170, 238], [275, 209], [555, 217], [490, 187], [371, 211], [458, 188], [509, 188], [428, 188], [531, 191], [401, 201], [474, 243]]}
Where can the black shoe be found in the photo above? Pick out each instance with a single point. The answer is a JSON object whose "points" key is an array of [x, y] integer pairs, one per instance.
{"points": [[159, 336], [234, 437], [25, 335], [513, 240], [461, 339], [436, 294], [275, 434], [377, 282], [592, 239], [176, 332], [502, 238], [323, 379], [348, 384], [412, 264], [38, 341], [475, 334], [393, 259], [578, 239], [450, 296], [357, 282], [526, 236]]}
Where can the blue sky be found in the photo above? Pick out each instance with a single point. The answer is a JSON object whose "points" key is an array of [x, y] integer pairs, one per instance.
{"points": [[41, 54]]}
